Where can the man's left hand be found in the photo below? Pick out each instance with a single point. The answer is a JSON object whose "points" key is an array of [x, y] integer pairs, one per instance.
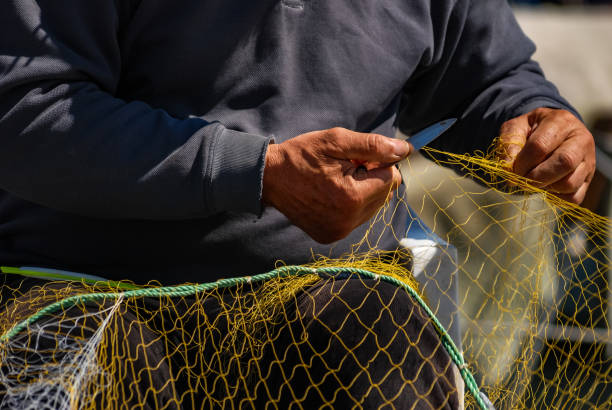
{"points": [[553, 148]]}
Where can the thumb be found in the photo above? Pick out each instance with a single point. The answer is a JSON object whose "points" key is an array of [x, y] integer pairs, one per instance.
{"points": [[371, 147], [512, 137]]}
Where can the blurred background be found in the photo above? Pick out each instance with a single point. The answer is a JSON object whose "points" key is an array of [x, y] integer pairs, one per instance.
{"points": [[574, 47], [564, 303]]}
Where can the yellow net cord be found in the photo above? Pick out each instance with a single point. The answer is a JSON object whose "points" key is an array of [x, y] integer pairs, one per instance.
{"points": [[526, 301]]}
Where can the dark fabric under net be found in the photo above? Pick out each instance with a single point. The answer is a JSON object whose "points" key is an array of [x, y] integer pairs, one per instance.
{"points": [[336, 343]]}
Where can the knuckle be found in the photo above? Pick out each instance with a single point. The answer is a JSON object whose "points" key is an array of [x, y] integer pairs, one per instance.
{"points": [[590, 141], [579, 197], [566, 115], [336, 132], [511, 124], [542, 111], [539, 147], [575, 198], [589, 144], [568, 160], [374, 142], [564, 186]]}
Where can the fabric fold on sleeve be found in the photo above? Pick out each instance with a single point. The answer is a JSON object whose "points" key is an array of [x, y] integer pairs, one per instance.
{"points": [[71, 143]]}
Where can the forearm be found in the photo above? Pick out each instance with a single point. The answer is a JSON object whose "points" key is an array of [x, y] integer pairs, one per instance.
{"points": [[480, 71], [74, 148], [68, 143], [519, 91]]}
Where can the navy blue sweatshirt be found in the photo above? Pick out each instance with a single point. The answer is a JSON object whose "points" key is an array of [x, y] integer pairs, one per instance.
{"points": [[133, 133]]}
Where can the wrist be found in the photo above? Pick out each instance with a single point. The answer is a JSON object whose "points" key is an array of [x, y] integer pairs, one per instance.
{"points": [[270, 175]]}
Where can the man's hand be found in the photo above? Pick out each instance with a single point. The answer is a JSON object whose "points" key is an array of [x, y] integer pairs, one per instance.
{"points": [[329, 182], [552, 148]]}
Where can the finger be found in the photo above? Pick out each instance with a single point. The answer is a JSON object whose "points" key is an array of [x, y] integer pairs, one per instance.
{"points": [[374, 165], [376, 187], [512, 137], [561, 163], [373, 187], [378, 180], [375, 180], [368, 147], [397, 177], [576, 197], [397, 180], [571, 182], [375, 203], [548, 135], [371, 210], [379, 194]]}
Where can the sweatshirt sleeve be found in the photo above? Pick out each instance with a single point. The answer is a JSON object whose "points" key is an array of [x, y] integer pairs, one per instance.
{"points": [[478, 69], [67, 143]]}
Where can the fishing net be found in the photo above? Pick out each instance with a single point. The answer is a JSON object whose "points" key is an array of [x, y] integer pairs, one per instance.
{"points": [[498, 298]]}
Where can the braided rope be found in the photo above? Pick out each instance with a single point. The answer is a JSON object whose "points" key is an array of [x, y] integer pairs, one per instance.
{"points": [[285, 271]]}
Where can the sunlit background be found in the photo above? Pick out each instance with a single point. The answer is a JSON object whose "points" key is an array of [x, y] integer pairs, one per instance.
{"points": [[574, 48]]}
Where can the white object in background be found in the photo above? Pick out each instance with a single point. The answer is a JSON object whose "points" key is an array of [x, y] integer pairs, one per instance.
{"points": [[423, 252]]}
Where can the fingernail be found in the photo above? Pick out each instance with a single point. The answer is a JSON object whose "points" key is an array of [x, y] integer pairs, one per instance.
{"points": [[401, 148]]}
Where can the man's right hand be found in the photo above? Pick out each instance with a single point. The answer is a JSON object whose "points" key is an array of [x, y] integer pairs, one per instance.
{"points": [[316, 179]]}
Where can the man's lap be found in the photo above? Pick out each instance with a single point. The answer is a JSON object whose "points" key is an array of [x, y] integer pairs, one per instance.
{"points": [[341, 342]]}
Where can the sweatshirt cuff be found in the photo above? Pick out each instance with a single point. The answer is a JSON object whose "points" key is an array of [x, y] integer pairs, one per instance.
{"points": [[544, 102], [236, 172]]}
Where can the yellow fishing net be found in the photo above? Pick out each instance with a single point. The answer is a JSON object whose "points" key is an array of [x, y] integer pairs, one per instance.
{"points": [[505, 304]]}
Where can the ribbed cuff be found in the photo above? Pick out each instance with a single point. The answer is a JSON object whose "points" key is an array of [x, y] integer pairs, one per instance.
{"points": [[236, 173]]}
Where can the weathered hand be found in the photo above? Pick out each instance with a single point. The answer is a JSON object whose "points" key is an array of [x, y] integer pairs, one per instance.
{"points": [[314, 179], [553, 148]]}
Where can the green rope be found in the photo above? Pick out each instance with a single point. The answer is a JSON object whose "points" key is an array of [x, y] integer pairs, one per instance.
{"points": [[188, 290], [65, 276]]}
